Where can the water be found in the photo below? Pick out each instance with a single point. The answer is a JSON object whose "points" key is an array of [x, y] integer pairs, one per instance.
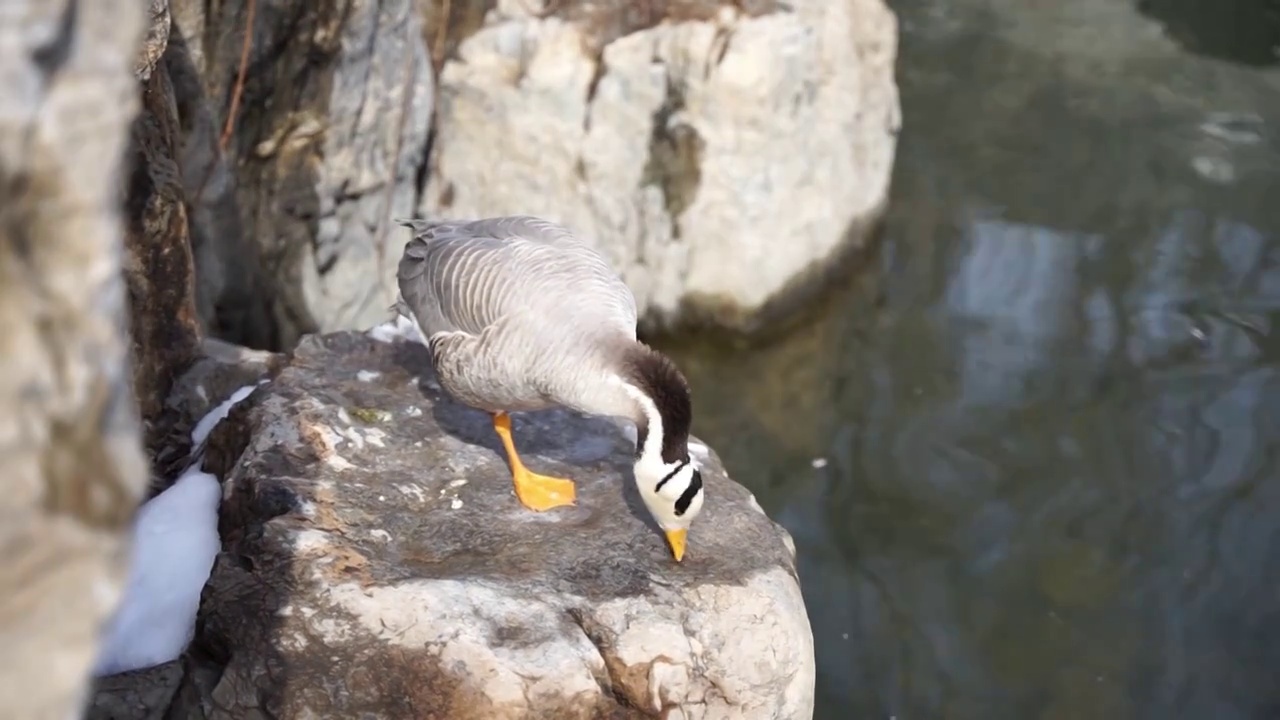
{"points": [[1031, 458]]}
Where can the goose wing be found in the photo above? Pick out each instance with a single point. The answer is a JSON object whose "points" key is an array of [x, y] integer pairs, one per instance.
{"points": [[468, 276]]}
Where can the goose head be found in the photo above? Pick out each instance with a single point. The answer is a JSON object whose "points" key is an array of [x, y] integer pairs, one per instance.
{"points": [[673, 493], [668, 477]]}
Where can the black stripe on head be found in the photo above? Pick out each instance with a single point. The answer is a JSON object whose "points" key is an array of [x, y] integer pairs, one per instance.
{"points": [[663, 481], [686, 498], [659, 378]]}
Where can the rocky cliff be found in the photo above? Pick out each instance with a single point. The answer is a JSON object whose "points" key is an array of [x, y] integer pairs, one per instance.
{"points": [[723, 155], [726, 156], [69, 432]]}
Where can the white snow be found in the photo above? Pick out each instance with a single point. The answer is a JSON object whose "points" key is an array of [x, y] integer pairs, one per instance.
{"points": [[202, 429], [402, 328], [175, 541]]}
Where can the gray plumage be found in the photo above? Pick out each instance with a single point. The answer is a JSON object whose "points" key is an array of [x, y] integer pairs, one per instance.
{"points": [[519, 314]]}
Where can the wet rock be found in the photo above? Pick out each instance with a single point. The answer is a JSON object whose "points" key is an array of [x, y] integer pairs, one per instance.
{"points": [[328, 142], [376, 562], [723, 155], [69, 432]]}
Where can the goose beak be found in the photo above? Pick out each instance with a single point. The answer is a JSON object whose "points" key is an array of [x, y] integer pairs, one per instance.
{"points": [[676, 539]]}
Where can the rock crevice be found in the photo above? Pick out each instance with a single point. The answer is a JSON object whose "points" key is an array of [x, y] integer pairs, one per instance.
{"points": [[330, 136]]}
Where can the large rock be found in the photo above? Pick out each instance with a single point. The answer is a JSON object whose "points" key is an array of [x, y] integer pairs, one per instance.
{"points": [[73, 465], [723, 155], [158, 268], [377, 564], [328, 143], [233, 294]]}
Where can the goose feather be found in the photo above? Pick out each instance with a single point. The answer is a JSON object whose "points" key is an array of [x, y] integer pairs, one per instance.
{"points": [[519, 313]]}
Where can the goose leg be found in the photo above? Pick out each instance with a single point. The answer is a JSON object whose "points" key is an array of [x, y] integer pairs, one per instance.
{"points": [[536, 492]]}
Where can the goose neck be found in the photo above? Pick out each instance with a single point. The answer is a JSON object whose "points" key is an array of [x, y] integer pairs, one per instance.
{"points": [[663, 405]]}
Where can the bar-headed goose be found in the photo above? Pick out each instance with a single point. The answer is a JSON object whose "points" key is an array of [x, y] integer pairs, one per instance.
{"points": [[519, 315]]}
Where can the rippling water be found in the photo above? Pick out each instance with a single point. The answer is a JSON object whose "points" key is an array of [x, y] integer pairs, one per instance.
{"points": [[1031, 459]]}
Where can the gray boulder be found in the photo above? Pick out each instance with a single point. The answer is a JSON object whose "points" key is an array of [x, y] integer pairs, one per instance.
{"points": [[376, 564], [70, 436], [724, 155], [329, 142]]}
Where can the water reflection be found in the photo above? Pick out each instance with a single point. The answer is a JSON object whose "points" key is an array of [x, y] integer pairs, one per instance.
{"points": [[1243, 31], [1012, 305], [1040, 478], [1022, 536]]}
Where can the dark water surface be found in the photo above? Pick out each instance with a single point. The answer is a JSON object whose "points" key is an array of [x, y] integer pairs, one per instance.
{"points": [[1031, 459]]}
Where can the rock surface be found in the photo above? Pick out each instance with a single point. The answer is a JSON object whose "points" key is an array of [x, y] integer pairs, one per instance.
{"points": [[722, 155], [145, 694], [376, 564], [158, 267], [218, 371], [329, 140], [232, 292], [69, 432]]}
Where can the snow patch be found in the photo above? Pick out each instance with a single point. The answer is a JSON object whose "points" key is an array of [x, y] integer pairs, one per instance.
{"points": [[175, 541], [201, 431], [368, 375], [401, 328]]}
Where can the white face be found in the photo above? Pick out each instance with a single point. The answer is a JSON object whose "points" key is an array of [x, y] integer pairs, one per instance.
{"points": [[672, 492]]}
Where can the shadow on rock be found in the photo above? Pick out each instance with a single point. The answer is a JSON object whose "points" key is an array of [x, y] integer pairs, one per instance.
{"points": [[543, 448]]}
